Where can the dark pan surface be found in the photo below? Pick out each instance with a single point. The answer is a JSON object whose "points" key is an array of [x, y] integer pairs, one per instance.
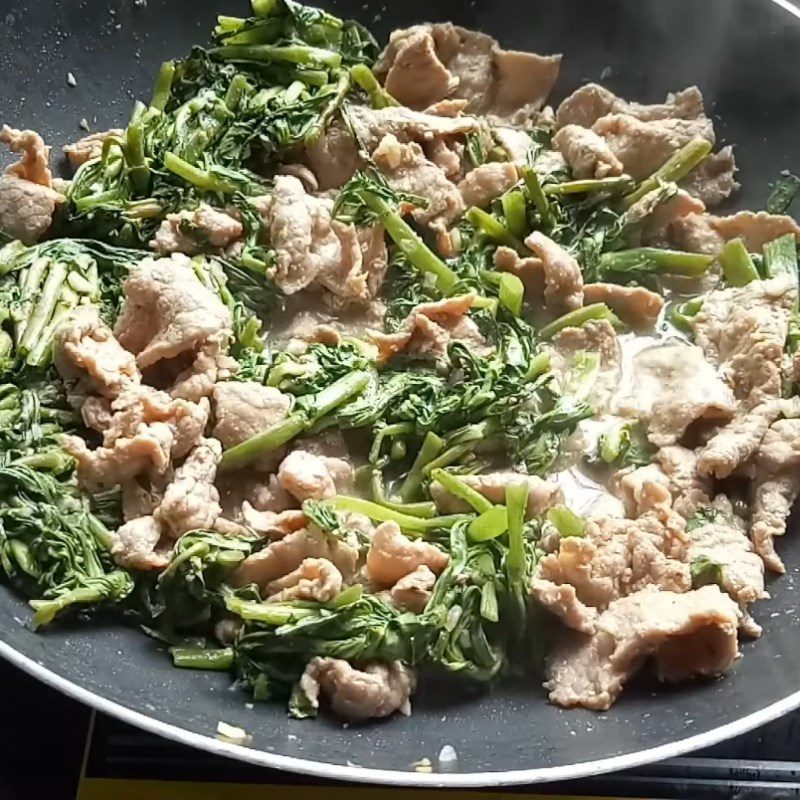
{"points": [[744, 54]]}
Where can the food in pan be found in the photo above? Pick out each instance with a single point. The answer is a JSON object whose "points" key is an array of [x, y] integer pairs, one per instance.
{"points": [[336, 365]]}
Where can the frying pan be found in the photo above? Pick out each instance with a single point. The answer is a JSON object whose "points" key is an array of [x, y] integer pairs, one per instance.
{"points": [[744, 54]]}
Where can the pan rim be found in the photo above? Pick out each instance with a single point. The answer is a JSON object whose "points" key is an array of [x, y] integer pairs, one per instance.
{"points": [[370, 775]]}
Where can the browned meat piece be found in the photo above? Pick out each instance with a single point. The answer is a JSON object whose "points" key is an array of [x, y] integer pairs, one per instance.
{"points": [[587, 154], [595, 336], [635, 305], [85, 350], [407, 169], [210, 364], [743, 330], [196, 231], [705, 233], [529, 270], [191, 501], [447, 108], [244, 409], [642, 489], [485, 183], [643, 146], [670, 387], [775, 487], [712, 181], [542, 494], [271, 524], [562, 274], [285, 555], [587, 104], [371, 125], [135, 545], [616, 557], [141, 498], [728, 546], [690, 490], [307, 476], [147, 429], [89, 147], [333, 157], [412, 591], [27, 198], [392, 556], [415, 76], [311, 247], [427, 63], [446, 155], [315, 579], [168, 311], [302, 173], [377, 690], [430, 327], [562, 600], [657, 226], [689, 635], [517, 144]]}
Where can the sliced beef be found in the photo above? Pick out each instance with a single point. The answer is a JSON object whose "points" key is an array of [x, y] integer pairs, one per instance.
{"points": [[196, 231], [775, 487], [273, 525], [563, 279], [688, 635], [712, 181], [168, 312], [307, 476], [333, 157], [689, 489], [86, 351], [135, 545], [587, 104], [28, 200], [485, 183], [643, 146], [89, 147], [412, 591], [638, 307], [542, 494], [530, 270], [587, 154], [657, 226], [429, 329], [705, 233], [146, 431], [743, 330], [407, 169], [285, 555], [316, 579], [671, 386], [375, 690], [427, 63], [392, 556]]}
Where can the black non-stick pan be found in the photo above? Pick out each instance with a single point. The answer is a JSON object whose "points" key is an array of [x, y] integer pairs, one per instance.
{"points": [[745, 56]]}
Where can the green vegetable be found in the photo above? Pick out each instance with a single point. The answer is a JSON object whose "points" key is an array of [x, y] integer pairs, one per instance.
{"points": [[574, 319], [704, 572], [780, 257], [198, 658], [632, 264], [783, 194], [566, 521], [365, 78], [737, 266], [625, 445]]}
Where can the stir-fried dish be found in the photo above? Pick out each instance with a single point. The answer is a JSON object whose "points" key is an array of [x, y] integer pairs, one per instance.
{"points": [[336, 365]]}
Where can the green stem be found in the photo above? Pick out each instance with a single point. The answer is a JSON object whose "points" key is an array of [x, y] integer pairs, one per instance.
{"points": [[737, 266], [494, 229], [610, 185], [682, 314], [263, 443], [413, 526], [462, 490], [197, 177], [140, 174], [448, 457], [432, 445], [567, 522], [514, 211], [220, 659], [517, 506], [576, 318], [269, 613], [30, 285], [677, 166], [233, 96], [534, 188], [365, 78], [163, 86], [412, 247], [45, 306], [337, 393], [510, 289], [342, 87], [489, 525], [780, 257], [672, 262], [287, 54]]}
